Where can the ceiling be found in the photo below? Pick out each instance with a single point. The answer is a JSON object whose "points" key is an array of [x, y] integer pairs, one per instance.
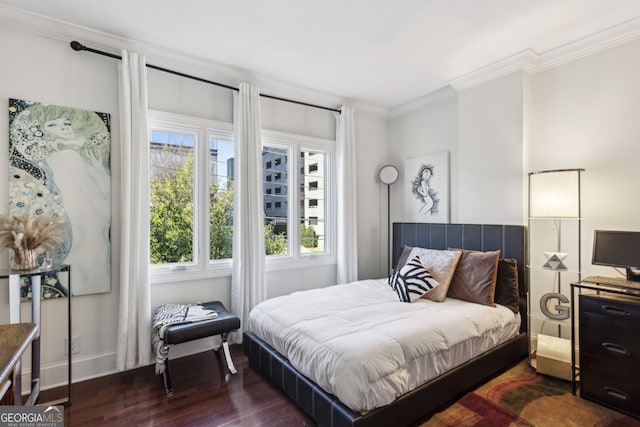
{"points": [[382, 53]]}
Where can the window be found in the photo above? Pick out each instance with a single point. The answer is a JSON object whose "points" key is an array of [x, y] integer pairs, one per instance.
{"points": [[191, 186], [172, 171], [306, 228], [191, 209]]}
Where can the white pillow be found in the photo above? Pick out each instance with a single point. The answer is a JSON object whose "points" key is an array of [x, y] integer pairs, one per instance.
{"points": [[442, 265], [412, 281]]}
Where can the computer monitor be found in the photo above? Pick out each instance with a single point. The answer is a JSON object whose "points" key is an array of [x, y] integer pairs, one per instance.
{"points": [[618, 249]]}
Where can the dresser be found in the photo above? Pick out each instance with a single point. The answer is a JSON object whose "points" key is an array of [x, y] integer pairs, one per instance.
{"points": [[609, 350]]}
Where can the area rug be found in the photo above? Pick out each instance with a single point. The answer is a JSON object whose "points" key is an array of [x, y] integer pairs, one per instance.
{"points": [[521, 397]]}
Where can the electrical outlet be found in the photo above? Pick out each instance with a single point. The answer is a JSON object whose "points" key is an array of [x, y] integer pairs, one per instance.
{"points": [[75, 345]]}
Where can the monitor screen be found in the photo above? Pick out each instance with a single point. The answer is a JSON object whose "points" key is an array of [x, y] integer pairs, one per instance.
{"points": [[616, 248]]}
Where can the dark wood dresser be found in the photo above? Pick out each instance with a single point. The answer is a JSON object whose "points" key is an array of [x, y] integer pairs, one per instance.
{"points": [[609, 344]]}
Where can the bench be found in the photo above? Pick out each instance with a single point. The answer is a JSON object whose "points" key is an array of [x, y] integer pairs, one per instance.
{"points": [[179, 333]]}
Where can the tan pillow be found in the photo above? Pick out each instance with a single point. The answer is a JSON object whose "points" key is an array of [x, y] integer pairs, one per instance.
{"points": [[507, 284], [475, 277], [442, 265]]}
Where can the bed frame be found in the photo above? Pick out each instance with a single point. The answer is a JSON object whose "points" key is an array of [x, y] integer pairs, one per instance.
{"points": [[423, 401]]}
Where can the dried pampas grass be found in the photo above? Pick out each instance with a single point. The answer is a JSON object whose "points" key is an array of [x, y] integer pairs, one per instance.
{"points": [[30, 232]]}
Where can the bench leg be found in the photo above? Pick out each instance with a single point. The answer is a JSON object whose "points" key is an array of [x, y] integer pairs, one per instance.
{"points": [[227, 355], [168, 387]]}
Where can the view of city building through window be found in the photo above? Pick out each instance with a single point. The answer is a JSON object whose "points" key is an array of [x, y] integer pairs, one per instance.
{"points": [[179, 167], [277, 185]]}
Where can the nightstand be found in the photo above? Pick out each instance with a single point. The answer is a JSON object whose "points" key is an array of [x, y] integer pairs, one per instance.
{"points": [[609, 349]]}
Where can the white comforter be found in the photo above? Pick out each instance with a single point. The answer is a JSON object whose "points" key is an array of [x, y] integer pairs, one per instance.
{"points": [[358, 342]]}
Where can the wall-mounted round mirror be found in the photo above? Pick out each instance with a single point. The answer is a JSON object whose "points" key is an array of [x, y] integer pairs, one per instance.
{"points": [[388, 174]]}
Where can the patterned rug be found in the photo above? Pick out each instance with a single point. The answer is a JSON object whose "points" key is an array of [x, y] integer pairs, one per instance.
{"points": [[520, 397]]}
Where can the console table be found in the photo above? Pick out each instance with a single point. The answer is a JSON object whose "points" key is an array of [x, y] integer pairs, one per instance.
{"points": [[36, 275]]}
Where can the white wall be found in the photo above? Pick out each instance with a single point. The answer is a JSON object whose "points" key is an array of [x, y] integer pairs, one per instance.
{"points": [[489, 166], [585, 114], [44, 68], [48, 71], [581, 114], [429, 129], [482, 129]]}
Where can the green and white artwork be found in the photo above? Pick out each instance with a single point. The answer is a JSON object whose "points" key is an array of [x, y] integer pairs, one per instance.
{"points": [[59, 166]]}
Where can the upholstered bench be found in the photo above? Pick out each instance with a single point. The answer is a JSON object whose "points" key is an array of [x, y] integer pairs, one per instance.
{"points": [[222, 325]]}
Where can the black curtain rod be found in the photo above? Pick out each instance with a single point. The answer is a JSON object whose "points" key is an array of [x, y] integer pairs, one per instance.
{"points": [[77, 46]]}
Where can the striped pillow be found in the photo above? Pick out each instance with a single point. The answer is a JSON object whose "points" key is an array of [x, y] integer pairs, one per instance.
{"points": [[412, 281]]}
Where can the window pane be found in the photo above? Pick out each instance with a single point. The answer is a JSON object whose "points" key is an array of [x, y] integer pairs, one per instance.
{"points": [[275, 187], [220, 198], [313, 194], [172, 196]]}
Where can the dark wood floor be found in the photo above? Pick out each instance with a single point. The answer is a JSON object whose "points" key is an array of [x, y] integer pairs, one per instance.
{"points": [[204, 396]]}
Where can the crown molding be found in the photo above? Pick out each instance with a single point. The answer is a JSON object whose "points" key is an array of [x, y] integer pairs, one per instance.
{"points": [[528, 61], [596, 42], [533, 62], [423, 101], [65, 32], [521, 61]]}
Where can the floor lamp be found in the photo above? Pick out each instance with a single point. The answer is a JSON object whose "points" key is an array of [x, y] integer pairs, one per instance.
{"points": [[388, 174], [555, 195]]}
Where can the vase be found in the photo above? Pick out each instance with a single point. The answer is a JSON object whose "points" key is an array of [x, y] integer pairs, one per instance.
{"points": [[23, 259]]}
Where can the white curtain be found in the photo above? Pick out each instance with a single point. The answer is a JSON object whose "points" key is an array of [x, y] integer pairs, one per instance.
{"points": [[347, 250], [248, 283], [134, 318]]}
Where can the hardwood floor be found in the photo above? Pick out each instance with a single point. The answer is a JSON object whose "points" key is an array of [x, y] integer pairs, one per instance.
{"points": [[203, 396]]}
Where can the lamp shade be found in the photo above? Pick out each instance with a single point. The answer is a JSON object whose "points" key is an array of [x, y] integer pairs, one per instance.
{"points": [[388, 174], [555, 194]]}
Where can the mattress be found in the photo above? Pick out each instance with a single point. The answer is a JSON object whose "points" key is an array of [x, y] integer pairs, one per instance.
{"points": [[359, 343]]}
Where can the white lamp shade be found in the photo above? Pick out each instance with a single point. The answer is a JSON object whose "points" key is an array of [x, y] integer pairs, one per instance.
{"points": [[555, 194], [388, 174]]}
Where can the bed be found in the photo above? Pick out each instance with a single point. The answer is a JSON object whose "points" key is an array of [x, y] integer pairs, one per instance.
{"points": [[422, 400]]}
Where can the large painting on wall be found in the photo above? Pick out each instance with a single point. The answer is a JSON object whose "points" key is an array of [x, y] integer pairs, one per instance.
{"points": [[59, 166], [426, 188]]}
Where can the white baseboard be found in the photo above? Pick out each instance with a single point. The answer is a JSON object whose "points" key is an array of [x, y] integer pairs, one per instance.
{"points": [[97, 365], [54, 375]]}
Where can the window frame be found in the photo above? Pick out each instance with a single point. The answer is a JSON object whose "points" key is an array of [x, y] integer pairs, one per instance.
{"points": [[296, 144], [202, 266]]}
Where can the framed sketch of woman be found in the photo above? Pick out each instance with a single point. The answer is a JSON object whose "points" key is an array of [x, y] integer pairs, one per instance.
{"points": [[427, 188]]}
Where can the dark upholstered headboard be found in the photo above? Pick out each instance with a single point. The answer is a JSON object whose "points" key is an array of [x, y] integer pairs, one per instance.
{"points": [[510, 239]]}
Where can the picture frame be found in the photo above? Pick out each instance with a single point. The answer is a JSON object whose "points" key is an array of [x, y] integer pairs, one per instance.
{"points": [[426, 188], [59, 167]]}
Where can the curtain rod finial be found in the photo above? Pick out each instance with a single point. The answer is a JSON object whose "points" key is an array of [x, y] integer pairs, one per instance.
{"points": [[77, 46]]}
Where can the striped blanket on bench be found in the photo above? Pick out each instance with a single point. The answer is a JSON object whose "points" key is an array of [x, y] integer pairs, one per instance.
{"points": [[173, 314]]}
